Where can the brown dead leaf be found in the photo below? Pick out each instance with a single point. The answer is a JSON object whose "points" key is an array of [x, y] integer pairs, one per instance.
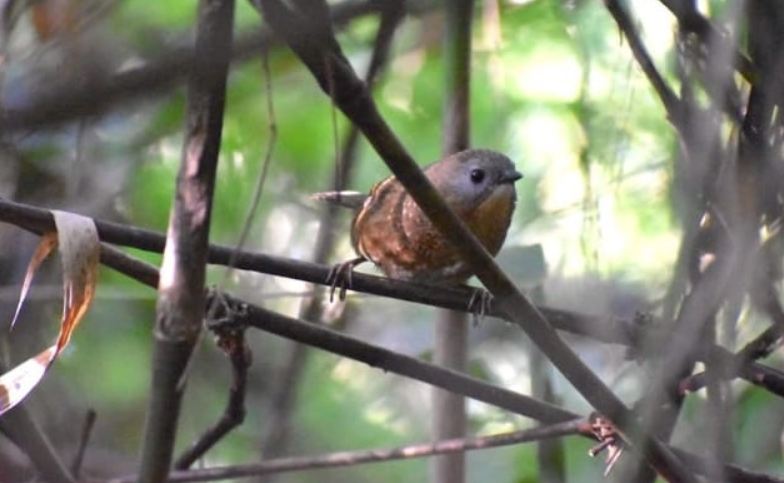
{"points": [[79, 247], [17, 383], [48, 241]]}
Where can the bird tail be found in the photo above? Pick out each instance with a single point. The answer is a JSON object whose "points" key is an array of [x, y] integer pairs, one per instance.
{"points": [[348, 199]]}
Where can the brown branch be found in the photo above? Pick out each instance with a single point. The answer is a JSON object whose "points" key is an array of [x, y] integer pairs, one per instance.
{"points": [[352, 97], [697, 311], [732, 366], [390, 361], [604, 329], [352, 458], [232, 341], [690, 20], [333, 342], [20, 427], [180, 307], [324, 59], [84, 438], [742, 364], [669, 99], [754, 155]]}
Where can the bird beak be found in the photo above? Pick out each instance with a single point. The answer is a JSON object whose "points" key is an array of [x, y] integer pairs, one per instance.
{"points": [[510, 176]]}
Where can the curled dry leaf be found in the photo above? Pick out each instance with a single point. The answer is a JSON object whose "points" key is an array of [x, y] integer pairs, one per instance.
{"points": [[45, 246], [77, 239], [19, 381], [80, 251]]}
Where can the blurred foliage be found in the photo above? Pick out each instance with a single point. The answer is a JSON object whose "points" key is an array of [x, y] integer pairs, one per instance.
{"points": [[553, 86]]}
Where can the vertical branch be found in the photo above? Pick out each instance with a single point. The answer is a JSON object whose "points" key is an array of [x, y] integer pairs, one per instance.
{"points": [[180, 305], [457, 67], [550, 454], [451, 328]]}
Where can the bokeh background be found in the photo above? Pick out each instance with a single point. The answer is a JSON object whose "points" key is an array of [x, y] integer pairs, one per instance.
{"points": [[554, 86]]}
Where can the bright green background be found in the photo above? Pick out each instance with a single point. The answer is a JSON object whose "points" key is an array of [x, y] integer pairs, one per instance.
{"points": [[553, 86]]}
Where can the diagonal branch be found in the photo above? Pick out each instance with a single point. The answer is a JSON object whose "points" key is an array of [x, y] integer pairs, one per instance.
{"points": [[21, 428], [349, 347], [742, 363], [669, 99], [324, 59], [690, 20]]}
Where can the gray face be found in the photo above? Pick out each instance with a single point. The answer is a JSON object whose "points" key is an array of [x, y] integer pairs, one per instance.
{"points": [[467, 178]]}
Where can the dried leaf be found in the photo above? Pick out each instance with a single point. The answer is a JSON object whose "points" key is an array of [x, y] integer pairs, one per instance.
{"points": [[17, 383], [79, 248], [48, 241]]}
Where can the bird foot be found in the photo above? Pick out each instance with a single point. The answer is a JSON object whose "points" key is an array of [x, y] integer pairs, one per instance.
{"points": [[479, 304], [609, 439], [342, 274], [221, 311]]}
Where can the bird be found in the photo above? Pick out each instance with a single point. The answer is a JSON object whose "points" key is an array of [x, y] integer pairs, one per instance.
{"points": [[390, 230]]}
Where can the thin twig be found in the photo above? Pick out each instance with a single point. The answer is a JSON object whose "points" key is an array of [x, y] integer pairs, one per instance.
{"points": [[20, 427], [669, 99], [690, 19], [258, 189], [352, 458], [733, 366], [84, 438], [742, 363], [232, 341]]}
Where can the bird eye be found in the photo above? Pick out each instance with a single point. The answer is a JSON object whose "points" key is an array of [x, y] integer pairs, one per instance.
{"points": [[477, 175]]}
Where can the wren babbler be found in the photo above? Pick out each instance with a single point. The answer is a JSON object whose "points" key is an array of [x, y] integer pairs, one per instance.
{"points": [[392, 231]]}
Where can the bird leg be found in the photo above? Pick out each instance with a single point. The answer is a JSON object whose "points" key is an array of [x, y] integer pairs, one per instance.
{"points": [[221, 311], [609, 440], [342, 274], [479, 303]]}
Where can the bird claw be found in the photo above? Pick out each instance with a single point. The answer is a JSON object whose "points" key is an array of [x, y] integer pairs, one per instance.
{"points": [[479, 304], [342, 274], [609, 439], [222, 312]]}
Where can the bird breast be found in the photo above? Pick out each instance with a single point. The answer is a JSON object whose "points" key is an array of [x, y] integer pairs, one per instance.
{"points": [[394, 233]]}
